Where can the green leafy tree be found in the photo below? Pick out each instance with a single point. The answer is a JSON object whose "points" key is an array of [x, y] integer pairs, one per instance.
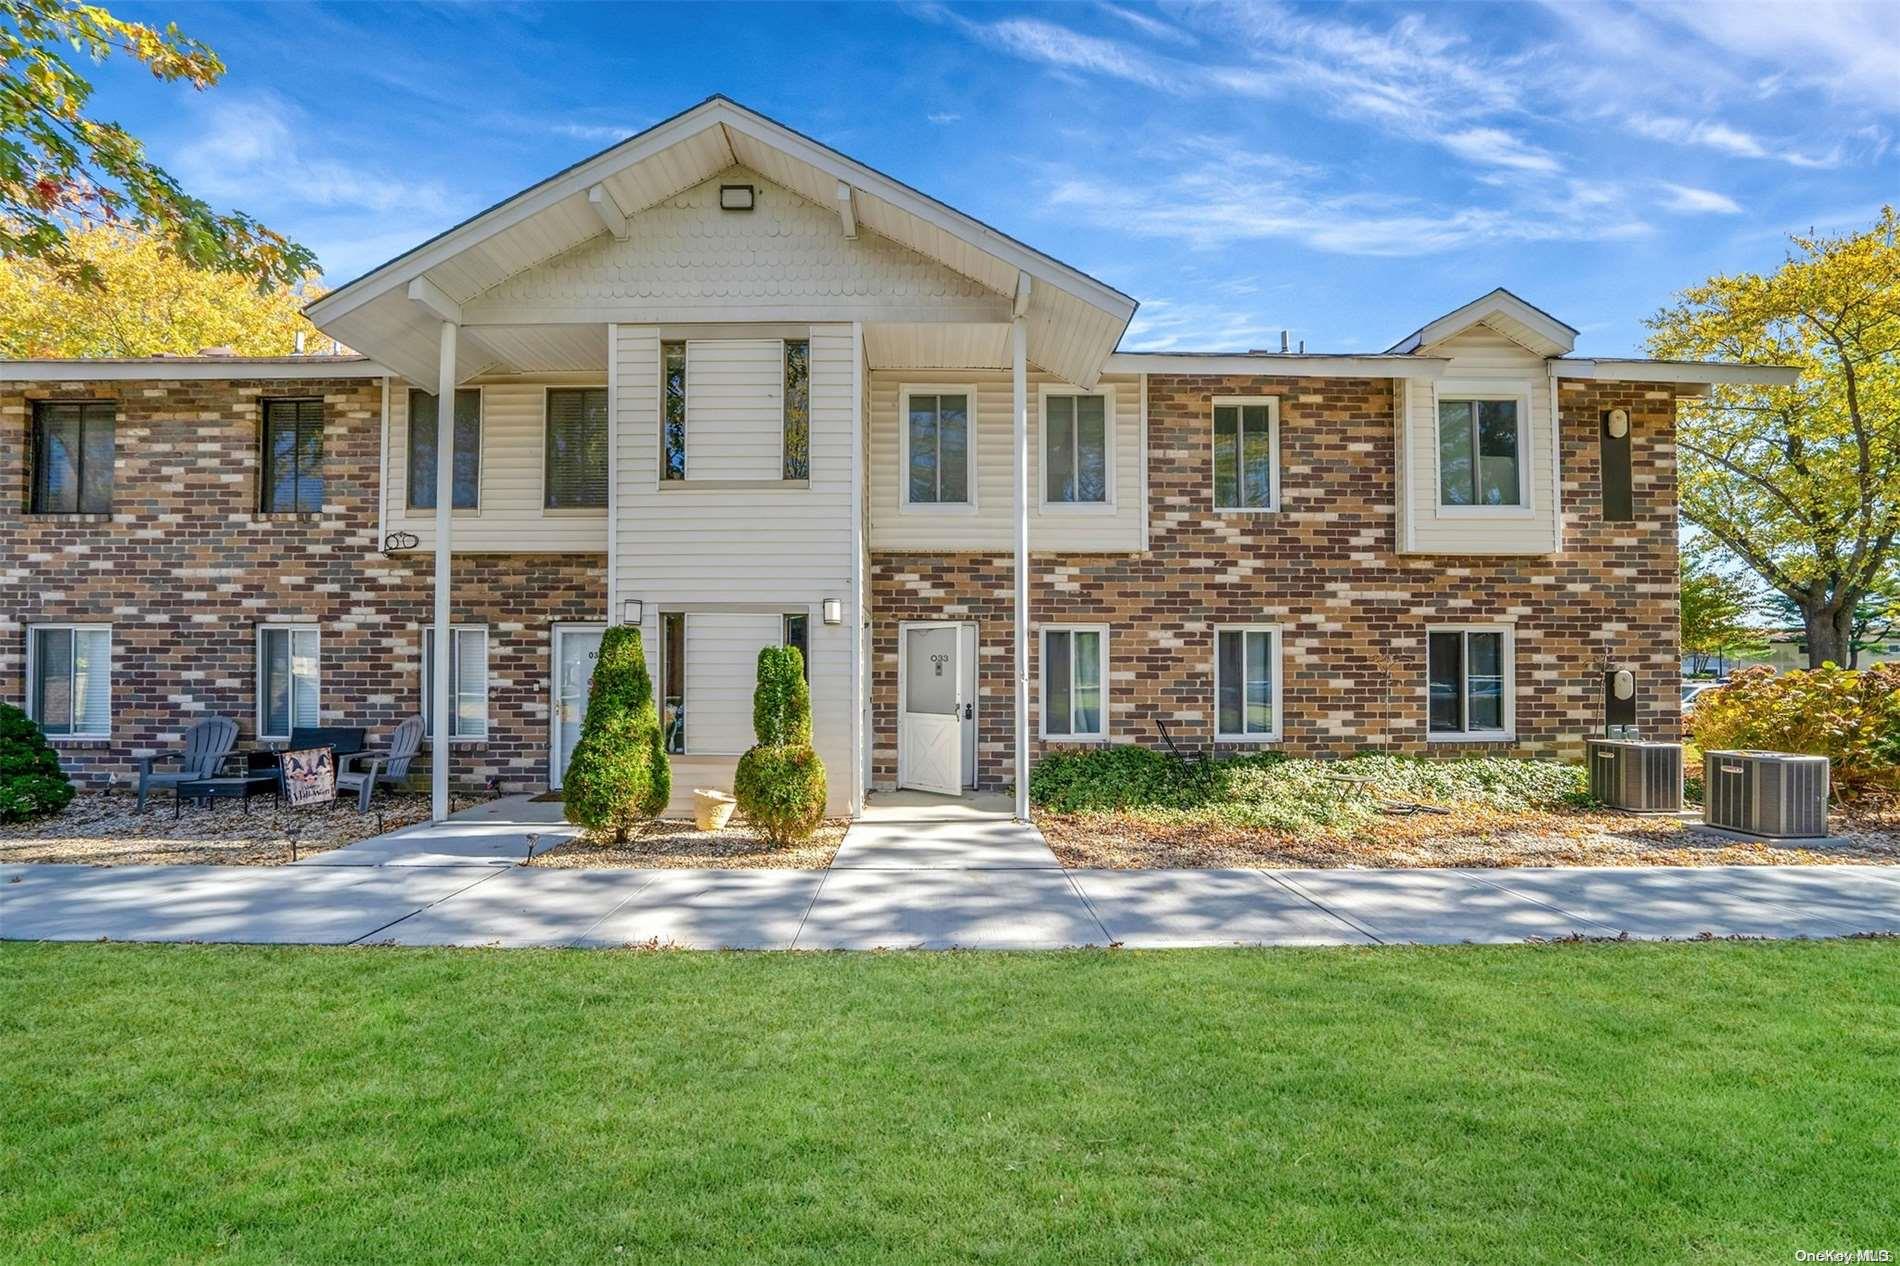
{"points": [[618, 775], [1801, 483], [780, 781], [31, 782], [60, 169], [1715, 610], [1875, 622]]}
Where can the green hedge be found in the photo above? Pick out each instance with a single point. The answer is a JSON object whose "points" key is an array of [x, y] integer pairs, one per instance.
{"points": [[31, 782]]}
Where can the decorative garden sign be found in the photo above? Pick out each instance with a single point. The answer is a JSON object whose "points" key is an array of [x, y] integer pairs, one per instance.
{"points": [[309, 776]]}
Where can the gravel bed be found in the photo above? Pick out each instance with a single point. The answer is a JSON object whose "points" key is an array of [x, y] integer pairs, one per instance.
{"points": [[106, 830], [679, 845]]}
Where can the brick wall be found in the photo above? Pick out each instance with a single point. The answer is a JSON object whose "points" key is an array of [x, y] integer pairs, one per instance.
{"points": [[185, 568], [1352, 610]]}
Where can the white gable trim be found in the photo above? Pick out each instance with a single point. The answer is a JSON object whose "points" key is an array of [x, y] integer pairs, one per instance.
{"points": [[1517, 320]]}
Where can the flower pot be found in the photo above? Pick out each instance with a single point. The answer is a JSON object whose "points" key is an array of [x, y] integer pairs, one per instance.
{"points": [[712, 809]]}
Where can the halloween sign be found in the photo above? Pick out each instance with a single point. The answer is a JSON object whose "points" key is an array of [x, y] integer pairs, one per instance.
{"points": [[309, 776]]}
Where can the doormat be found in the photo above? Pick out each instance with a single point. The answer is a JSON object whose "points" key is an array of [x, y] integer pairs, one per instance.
{"points": [[546, 797]]}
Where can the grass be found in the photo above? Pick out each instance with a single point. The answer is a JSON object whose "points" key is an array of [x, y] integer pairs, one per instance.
{"points": [[1722, 1101]]}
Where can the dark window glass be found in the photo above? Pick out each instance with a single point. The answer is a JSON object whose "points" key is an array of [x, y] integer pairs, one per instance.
{"points": [[673, 680], [939, 449], [1477, 453], [577, 448], [1243, 457], [1484, 681], [72, 456], [1447, 656], [293, 457], [798, 633], [1497, 453], [468, 449], [1077, 452], [797, 409], [1056, 695], [1230, 689], [1244, 682], [673, 371]]}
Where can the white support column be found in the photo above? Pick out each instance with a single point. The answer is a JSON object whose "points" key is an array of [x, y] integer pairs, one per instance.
{"points": [[439, 698], [1019, 385]]}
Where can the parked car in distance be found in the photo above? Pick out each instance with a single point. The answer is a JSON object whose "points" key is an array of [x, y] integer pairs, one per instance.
{"points": [[1692, 690]]}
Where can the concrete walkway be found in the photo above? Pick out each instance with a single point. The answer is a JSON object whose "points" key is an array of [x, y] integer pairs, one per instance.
{"points": [[902, 880]]}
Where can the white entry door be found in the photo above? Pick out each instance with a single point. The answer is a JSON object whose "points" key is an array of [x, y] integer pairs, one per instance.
{"points": [[931, 710], [576, 647]]}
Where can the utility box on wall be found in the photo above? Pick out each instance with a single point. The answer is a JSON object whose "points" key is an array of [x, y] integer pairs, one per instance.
{"points": [[1619, 704]]}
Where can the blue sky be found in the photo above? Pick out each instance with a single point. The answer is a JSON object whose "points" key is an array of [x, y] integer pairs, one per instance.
{"points": [[1345, 172]]}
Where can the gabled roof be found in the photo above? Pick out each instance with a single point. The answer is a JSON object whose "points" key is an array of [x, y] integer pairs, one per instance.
{"points": [[1074, 320], [1520, 321]]}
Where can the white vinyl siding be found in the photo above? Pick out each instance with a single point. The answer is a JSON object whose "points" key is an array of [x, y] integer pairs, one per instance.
{"points": [[722, 670], [1074, 701], [69, 680], [289, 679], [1247, 683], [894, 525], [735, 409], [468, 683]]}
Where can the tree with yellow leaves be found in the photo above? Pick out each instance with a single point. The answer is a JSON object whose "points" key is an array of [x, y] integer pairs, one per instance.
{"points": [[142, 299], [1801, 483]]}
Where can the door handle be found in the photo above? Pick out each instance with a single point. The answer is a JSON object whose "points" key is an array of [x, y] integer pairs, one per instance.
{"points": [[969, 712]]}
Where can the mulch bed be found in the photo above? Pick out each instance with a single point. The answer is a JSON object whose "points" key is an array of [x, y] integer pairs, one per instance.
{"points": [[106, 830], [1467, 836], [679, 845]]}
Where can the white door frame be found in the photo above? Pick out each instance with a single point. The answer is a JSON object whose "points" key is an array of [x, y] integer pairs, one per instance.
{"points": [[555, 761], [968, 640]]}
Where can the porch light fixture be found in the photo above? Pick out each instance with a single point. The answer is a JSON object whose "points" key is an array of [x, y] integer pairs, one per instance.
{"points": [[735, 197], [1619, 423], [634, 610], [834, 611]]}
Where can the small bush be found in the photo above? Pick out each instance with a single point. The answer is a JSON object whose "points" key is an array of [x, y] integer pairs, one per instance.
{"points": [[31, 782], [1851, 716], [618, 775], [780, 783]]}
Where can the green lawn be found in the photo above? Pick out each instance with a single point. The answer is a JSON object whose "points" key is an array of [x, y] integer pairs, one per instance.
{"points": [[1705, 1102]]}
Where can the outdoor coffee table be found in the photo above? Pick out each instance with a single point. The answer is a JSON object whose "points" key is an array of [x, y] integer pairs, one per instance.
{"points": [[227, 786]]}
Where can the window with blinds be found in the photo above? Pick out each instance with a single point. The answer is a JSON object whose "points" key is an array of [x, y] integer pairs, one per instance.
{"points": [[69, 688], [289, 686], [1075, 450], [72, 456], [576, 464], [468, 683], [467, 458], [293, 457]]}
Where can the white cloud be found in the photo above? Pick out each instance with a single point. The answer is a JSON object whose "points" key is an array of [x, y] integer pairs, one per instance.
{"points": [[1492, 147], [1721, 137], [943, 118], [1688, 200], [599, 133], [1148, 25], [1058, 46], [1165, 325]]}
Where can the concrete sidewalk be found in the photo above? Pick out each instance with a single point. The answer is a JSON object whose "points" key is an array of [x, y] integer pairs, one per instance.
{"points": [[983, 882]]}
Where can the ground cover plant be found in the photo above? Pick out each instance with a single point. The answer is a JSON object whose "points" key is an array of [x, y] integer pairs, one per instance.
{"points": [[1727, 1101]]}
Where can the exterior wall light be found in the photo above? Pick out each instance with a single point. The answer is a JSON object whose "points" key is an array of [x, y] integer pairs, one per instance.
{"points": [[1619, 423], [634, 610], [834, 611], [735, 197]]}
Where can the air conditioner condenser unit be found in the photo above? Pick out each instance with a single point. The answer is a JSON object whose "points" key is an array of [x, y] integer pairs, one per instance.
{"points": [[1777, 795], [1634, 775]]}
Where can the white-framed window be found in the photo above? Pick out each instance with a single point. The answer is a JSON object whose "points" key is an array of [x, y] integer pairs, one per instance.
{"points": [[468, 449], [1470, 675], [1078, 447], [1246, 453], [1483, 450], [1075, 682], [289, 679], [936, 429], [1247, 683], [468, 683], [574, 464], [69, 679]]}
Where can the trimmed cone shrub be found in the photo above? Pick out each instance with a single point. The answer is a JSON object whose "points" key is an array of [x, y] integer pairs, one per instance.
{"points": [[619, 775], [31, 782], [780, 782], [1851, 716]]}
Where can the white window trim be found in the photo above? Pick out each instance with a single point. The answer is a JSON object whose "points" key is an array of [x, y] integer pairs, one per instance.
{"points": [[262, 684], [1521, 393], [1273, 445], [904, 504], [1279, 658], [541, 458], [1508, 654], [32, 669], [422, 645], [1042, 693], [413, 511], [1043, 504]]}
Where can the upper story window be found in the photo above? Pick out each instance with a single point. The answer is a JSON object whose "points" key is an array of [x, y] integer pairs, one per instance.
{"points": [[72, 456], [732, 377], [937, 450], [1076, 448], [1247, 684], [673, 428], [797, 409], [468, 683], [289, 694], [468, 449], [1246, 453], [69, 679], [1074, 682], [1469, 671], [1480, 443], [293, 457], [575, 476]]}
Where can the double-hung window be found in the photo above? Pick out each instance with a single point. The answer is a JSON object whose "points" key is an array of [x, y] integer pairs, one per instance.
{"points": [[1470, 683], [293, 457], [289, 687], [1247, 684], [468, 683], [69, 679], [937, 428], [72, 456], [1075, 448], [575, 473], [1479, 452], [468, 449], [1246, 453], [1075, 683]]}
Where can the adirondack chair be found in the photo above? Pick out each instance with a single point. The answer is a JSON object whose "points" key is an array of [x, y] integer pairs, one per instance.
{"points": [[362, 771], [206, 745]]}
